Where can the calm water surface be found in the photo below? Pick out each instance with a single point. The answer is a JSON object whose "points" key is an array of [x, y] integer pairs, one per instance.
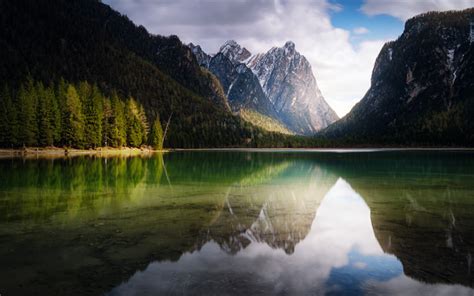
{"points": [[239, 223]]}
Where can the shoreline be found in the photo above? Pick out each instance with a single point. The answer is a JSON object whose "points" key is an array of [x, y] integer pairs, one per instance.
{"points": [[335, 150], [56, 152], [51, 152]]}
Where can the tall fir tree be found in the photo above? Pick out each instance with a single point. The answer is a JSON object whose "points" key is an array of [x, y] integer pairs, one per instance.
{"points": [[134, 127], [93, 113], [73, 125], [8, 119], [61, 95], [55, 120], [118, 135], [27, 103], [107, 122], [144, 123], [44, 116], [156, 135]]}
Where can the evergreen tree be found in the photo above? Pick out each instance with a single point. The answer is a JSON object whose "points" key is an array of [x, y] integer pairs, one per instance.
{"points": [[8, 120], [73, 125], [55, 119], [93, 113], [118, 132], [156, 135], [144, 123], [61, 95], [135, 129], [107, 122], [44, 116], [27, 101]]}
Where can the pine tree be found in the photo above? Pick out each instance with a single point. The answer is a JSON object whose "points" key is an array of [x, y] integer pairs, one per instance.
{"points": [[7, 119], [118, 132], [93, 113], [44, 116], [156, 135], [27, 101], [61, 97], [55, 119], [134, 126], [73, 125], [107, 123], [144, 124]]}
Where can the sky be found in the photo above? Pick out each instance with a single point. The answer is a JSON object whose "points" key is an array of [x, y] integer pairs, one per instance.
{"points": [[340, 38]]}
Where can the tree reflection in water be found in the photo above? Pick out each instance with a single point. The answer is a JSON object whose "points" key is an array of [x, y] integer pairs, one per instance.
{"points": [[239, 223]]}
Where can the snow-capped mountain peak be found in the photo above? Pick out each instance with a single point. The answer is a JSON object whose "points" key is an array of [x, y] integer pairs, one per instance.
{"points": [[234, 52], [288, 81], [279, 84]]}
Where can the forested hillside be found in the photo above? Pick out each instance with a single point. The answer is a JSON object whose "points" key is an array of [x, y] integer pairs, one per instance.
{"points": [[85, 40]]}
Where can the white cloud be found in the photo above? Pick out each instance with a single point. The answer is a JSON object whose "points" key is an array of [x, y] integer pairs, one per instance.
{"points": [[360, 30], [342, 71], [404, 9]]}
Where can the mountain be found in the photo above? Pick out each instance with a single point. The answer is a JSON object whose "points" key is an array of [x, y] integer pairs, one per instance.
{"points": [[422, 90], [288, 81], [88, 41], [241, 86], [279, 84], [234, 52]]}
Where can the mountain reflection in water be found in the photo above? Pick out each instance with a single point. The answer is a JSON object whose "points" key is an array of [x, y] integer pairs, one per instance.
{"points": [[240, 223]]}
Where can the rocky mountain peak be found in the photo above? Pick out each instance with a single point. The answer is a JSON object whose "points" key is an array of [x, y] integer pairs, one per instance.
{"points": [[234, 52], [279, 84], [289, 47], [202, 58], [288, 81]]}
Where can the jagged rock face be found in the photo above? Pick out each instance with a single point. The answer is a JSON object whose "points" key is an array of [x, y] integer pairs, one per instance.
{"points": [[246, 92], [234, 52], [202, 58], [224, 70], [238, 81], [279, 84], [288, 81], [421, 89]]}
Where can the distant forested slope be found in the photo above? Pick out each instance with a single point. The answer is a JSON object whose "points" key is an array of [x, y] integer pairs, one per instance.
{"points": [[85, 40]]}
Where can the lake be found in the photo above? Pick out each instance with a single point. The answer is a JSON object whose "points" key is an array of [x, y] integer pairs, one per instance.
{"points": [[239, 223]]}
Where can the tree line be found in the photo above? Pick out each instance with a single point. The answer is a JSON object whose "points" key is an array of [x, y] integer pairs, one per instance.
{"points": [[73, 115]]}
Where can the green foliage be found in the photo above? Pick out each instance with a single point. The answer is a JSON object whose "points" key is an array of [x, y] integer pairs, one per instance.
{"points": [[45, 115], [263, 121], [79, 116], [118, 124], [27, 102], [156, 135], [93, 113], [73, 119], [8, 120], [136, 124]]}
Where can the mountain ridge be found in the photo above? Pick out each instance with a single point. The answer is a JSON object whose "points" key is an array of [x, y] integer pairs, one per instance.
{"points": [[298, 100], [284, 76], [421, 91]]}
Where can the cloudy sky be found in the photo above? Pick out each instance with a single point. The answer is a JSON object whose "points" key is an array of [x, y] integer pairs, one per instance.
{"points": [[341, 38]]}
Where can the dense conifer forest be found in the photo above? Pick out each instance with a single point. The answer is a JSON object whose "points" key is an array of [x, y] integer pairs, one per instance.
{"points": [[73, 115]]}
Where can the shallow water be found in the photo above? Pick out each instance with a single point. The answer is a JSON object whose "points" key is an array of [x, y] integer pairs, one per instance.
{"points": [[239, 223]]}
